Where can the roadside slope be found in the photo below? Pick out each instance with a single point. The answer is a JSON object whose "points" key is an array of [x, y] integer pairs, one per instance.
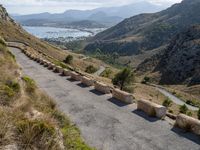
{"points": [[29, 118]]}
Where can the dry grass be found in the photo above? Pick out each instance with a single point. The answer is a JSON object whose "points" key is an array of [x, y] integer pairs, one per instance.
{"points": [[28, 117]]}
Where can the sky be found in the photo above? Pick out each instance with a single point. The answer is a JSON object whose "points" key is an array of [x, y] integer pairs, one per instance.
{"points": [[58, 6]]}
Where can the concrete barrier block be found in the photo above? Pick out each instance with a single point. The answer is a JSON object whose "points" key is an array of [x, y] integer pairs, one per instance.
{"points": [[59, 69], [51, 66], [87, 81], [152, 109], [188, 123], [75, 76], [66, 72], [42, 61], [101, 87], [123, 96]]}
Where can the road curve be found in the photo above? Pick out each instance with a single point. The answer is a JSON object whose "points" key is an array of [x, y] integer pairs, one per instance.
{"points": [[104, 122], [101, 69], [176, 99]]}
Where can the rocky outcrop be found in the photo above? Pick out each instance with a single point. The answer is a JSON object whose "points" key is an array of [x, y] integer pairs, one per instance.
{"points": [[179, 62]]}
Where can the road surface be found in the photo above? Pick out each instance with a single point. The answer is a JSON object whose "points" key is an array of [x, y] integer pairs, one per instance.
{"points": [[105, 123], [101, 69], [176, 99]]}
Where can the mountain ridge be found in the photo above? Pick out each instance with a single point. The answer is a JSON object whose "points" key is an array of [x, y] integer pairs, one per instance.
{"points": [[146, 31], [112, 15]]}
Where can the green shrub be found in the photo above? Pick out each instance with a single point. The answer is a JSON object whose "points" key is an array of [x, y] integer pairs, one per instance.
{"points": [[30, 84], [90, 69], [190, 102], [189, 113], [183, 109], [145, 80], [167, 103], [107, 73], [68, 59], [15, 86], [171, 111]]}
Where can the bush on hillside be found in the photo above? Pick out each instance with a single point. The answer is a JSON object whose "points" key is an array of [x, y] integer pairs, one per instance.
{"points": [[68, 59], [183, 109], [90, 69], [167, 103]]}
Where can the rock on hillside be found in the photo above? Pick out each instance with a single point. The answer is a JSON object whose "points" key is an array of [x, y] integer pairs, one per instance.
{"points": [[4, 15], [147, 31], [179, 62]]}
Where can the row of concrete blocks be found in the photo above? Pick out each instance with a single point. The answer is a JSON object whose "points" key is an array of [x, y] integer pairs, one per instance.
{"points": [[152, 109]]}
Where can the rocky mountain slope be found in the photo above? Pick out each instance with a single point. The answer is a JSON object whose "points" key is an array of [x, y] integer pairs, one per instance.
{"points": [[11, 31], [147, 31], [179, 62]]}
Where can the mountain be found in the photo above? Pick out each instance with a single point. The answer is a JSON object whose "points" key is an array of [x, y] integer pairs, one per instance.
{"points": [[133, 9], [147, 31], [12, 31], [179, 62], [106, 16]]}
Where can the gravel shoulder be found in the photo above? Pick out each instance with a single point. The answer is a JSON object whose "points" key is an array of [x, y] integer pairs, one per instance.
{"points": [[104, 122]]}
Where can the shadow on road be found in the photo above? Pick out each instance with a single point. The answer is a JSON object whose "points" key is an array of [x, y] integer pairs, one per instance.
{"points": [[117, 102], [97, 92], [71, 80], [188, 135], [145, 116], [82, 85]]}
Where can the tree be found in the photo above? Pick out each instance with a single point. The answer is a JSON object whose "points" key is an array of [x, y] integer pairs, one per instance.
{"points": [[123, 78], [183, 109], [68, 59], [198, 114]]}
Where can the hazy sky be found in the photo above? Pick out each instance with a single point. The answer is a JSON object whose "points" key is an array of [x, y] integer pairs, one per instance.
{"points": [[57, 6]]}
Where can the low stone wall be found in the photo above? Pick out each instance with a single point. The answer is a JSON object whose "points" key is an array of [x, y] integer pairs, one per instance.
{"points": [[101, 87], [87, 81], [51, 66], [66, 72], [188, 123], [152, 109], [58, 69], [75, 76], [123, 96]]}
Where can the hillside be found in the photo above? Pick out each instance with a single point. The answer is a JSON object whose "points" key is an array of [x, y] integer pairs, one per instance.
{"points": [[179, 62], [147, 31]]}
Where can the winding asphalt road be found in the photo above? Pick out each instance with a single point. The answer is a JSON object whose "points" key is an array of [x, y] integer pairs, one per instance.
{"points": [[105, 123], [101, 69], [176, 99]]}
